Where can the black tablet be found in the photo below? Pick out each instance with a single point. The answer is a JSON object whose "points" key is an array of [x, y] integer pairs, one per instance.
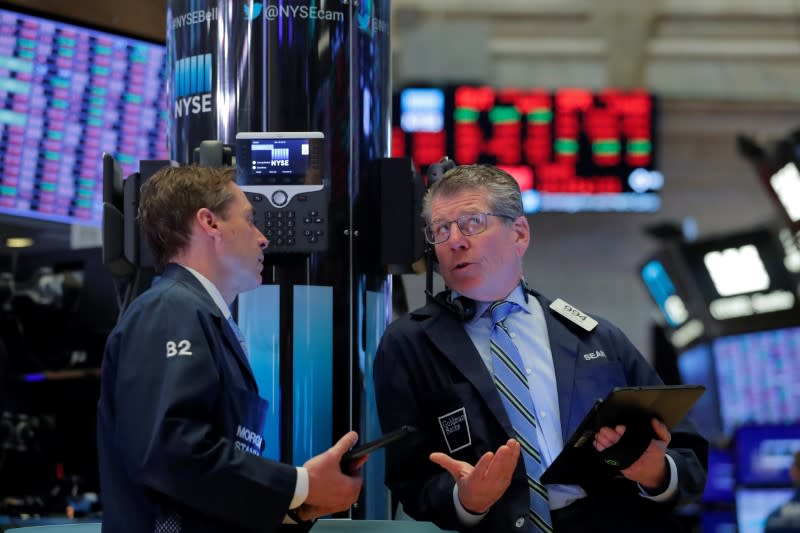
{"points": [[633, 407], [369, 447]]}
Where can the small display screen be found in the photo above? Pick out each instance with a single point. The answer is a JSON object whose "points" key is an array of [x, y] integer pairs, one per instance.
{"points": [[279, 157], [277, 161]]}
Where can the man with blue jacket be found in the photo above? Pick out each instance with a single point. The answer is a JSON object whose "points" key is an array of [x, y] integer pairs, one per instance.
{"points": [[496, 378], [179, 418]]}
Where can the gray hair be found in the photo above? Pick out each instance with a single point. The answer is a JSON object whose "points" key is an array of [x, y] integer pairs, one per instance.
{"points": [[503, 193]]}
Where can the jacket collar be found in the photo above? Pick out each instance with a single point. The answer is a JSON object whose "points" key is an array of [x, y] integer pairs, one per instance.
{"points": [[448, 335], [563, 347], [180, 274]]}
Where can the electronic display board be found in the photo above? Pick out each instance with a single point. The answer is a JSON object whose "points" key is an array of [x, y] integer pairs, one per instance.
{"points": [[758, 377], [570, 149], [67, 94]]}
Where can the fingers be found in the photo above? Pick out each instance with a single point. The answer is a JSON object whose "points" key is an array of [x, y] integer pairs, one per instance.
{"points": [[457, 469], [506, 456], [650, 469], [345, 443], [353, 468], [330, 490], [606, 437], [661, 430], [504, 462], [491, 477], [483, 465]]}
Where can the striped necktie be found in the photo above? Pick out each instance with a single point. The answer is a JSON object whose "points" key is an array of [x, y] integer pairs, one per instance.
{"points": [[238, 333], [512, 383]]}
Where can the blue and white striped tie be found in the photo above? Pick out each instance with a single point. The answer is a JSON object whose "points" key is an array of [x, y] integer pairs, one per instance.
{"points": [[512, 383], [238, 333]]}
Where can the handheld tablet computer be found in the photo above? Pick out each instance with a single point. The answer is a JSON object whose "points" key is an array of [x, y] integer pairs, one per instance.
{"points": [[633, 407]]}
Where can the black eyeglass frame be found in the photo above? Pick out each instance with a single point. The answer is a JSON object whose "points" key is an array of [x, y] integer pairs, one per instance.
{"points": [[461, 221]]}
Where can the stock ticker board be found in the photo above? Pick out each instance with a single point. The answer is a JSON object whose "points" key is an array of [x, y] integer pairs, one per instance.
{"points": [[67, 94], [570, 149]]}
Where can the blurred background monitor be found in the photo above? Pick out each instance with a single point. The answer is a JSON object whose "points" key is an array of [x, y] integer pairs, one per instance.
{"points": [[721, 479], [764, 454], [664, 293], [784, 184], [791, 248], [696, 367], [758, 377], [68, 93], [671, 287], [753, 506], [743, 280], [570, 149]]}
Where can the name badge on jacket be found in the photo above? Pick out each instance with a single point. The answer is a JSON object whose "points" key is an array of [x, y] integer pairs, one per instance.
{"points": [[455, 428], [250, 417]]}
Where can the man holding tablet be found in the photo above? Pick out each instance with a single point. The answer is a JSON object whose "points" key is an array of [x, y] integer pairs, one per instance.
{"points": [[496, 378]]}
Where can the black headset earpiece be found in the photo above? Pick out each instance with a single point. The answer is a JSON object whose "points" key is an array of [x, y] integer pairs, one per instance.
{"points": [[462, 307]]}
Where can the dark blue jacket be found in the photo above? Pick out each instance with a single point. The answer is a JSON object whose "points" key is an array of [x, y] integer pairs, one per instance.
{"points": [[179, 419], [427, 366]]}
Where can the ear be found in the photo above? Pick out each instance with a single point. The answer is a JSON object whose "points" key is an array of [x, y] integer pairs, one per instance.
{"points": [[207, 220], [522, 234]]}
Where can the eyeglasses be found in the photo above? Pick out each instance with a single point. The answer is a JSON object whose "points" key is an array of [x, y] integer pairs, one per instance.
{"points": [[473, 224]]}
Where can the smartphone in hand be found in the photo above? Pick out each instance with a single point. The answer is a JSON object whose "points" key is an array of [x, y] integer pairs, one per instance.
{"points": [[351, 456]]}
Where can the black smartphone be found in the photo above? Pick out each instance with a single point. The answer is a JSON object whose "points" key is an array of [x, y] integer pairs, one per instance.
{"points": [[359, 451]]}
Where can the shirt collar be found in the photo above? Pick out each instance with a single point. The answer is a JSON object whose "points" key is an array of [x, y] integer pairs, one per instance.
{"points": [[518, 296], [212, 291]]}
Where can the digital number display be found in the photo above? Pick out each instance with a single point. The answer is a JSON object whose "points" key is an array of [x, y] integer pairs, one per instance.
{"points": [[68, 94], [570, 150]]}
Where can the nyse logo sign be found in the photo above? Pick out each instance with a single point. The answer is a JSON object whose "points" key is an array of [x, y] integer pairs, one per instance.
{"points": [[192, 83]]}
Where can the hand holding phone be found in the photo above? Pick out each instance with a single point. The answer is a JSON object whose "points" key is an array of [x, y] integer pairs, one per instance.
{"points": [[352, 456]]}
